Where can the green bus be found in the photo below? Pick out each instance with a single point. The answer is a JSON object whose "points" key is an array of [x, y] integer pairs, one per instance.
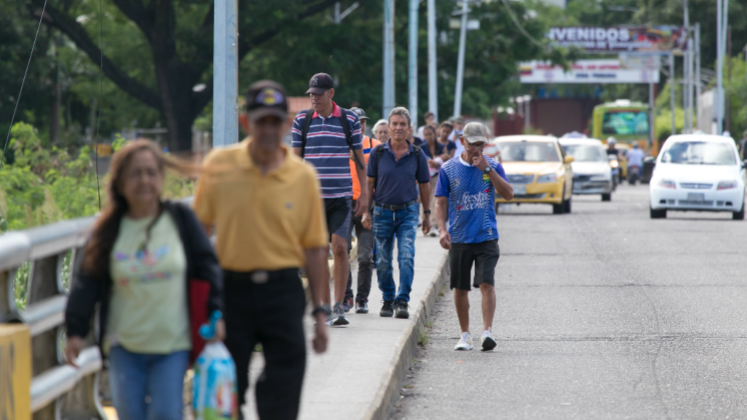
{"points": [[627, 122]]}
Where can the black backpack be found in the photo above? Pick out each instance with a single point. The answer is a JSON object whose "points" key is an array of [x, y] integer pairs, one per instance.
{"points": [[379, 149], [345, 128]]}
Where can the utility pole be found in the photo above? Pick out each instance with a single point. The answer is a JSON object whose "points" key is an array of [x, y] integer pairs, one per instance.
{"points": [[685, 70], [388, 94], [718, 103], [671, 91], [460, 60], [432, 75], [413, 61], [225, 73], [697, 75]]}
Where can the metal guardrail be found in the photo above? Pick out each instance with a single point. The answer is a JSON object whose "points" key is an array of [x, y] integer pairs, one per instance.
{"points": [[57, 390]]}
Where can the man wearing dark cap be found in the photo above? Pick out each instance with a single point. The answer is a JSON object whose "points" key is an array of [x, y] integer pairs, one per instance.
{"points": [[329, 137], [250, 193]]}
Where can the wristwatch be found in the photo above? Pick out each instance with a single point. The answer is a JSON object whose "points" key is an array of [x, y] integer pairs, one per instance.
{"points": [[488, 169], [324, 309], [426, 212]]}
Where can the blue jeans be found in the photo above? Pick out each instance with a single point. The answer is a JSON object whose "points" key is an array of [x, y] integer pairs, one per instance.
{"points": [[386, 225], [135, 376]]}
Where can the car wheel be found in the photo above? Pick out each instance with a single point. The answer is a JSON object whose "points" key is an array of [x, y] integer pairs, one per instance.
{"points": [[567, 206], [607, 197], [738, 215], [658, 214], [558, 208]]}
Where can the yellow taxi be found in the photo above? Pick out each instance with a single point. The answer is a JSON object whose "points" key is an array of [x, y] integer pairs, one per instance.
{"points": [[537, 169]]}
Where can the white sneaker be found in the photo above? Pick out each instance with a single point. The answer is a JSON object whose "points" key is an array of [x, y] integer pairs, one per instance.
{"points": [[487, 342], [465, 343], [433, 233]]}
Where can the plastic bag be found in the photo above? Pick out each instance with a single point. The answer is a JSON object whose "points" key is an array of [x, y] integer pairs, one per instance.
{"points": [[214, 383]]}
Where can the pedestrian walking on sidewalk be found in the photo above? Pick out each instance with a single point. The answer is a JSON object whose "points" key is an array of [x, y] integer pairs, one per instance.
{"points": [[329, 137], [395, 170], [381, 130], [444, 132], [265, 206], [434, 151], [465, 195], [138, 264], [429, 118], [365, 236]]}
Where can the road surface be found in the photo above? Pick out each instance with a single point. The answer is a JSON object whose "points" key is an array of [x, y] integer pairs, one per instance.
{"points": [[602, 314]]}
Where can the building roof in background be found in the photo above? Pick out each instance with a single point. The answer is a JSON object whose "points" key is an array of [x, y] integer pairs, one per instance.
{"points": [[297, 104]]}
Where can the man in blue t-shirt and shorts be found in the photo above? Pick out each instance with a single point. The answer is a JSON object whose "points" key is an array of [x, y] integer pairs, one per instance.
{"points": [[465, 195]]}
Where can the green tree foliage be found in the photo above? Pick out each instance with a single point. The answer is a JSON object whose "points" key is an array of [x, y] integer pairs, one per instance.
{"points": [[45, 185], [352, 52]]}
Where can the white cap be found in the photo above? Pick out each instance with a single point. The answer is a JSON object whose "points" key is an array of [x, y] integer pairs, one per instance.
{"points": [[475, 132]]}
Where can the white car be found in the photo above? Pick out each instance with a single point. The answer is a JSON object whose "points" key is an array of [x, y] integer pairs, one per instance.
{"points": [[592, 173], [698, 172]]}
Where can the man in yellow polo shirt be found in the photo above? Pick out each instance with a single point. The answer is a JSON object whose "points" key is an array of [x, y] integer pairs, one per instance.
{"points": [[265, 206]]}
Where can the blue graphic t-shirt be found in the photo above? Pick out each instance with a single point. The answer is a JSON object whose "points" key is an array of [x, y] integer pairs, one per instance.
{"points": [[471, 200]]}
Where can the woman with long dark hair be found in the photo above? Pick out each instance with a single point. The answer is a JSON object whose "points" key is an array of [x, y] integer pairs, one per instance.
{"points": [[142, 256]]}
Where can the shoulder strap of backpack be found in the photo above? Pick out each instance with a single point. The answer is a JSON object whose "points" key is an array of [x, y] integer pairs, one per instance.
{"points": [[345, 123], [379, 149], [305, 130], [416, 149]]}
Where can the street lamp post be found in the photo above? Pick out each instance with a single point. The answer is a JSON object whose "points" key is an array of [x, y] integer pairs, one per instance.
{"points": [[225, 73], [413, 61], [460, 60], [432, 80], [388, 68]]}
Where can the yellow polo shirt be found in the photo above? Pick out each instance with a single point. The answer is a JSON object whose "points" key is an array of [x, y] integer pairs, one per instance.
{"points": [[261, 222]]}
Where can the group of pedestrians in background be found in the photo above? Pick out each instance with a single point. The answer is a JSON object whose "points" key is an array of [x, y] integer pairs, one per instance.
{"points": [[150, 267]]}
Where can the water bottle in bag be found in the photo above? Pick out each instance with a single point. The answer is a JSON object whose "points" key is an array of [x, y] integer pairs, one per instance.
{"points": [[214, 383]]}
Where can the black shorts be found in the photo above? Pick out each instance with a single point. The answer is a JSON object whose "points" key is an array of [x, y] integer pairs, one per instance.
{"points": [[338, 216], [484, 256]]}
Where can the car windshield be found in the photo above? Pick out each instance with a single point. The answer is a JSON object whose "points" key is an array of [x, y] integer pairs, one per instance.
{"points": [[699, 153], [524, 151], [585, 153]]}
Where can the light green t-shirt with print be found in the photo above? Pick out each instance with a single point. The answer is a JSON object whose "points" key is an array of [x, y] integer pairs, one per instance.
{"points": [[148, 311]]}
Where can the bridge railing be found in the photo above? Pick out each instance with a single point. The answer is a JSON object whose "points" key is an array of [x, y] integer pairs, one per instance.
{"points": [[36, 266]]}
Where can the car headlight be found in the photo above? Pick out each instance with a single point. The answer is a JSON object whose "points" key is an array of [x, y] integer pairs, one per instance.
{"points": [[725, 185], [544, 179], [666, 183]]}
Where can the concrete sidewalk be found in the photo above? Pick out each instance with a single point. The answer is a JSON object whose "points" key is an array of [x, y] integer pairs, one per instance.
{"points": [[360, 374]]}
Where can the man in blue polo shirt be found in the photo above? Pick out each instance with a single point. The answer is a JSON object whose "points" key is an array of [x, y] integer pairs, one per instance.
{"points": [[395, 169], [328, 147], [465, 193]]}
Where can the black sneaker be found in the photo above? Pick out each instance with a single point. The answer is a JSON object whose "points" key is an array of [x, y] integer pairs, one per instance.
{"points": [[400, 308], [386, 309], [347, 304], [338, 316], [361, 306]]}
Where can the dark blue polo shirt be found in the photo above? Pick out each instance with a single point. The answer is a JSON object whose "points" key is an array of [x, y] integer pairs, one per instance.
{"points": [[397, 180]]}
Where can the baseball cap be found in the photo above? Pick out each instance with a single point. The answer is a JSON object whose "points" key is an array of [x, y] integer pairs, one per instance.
{"points": [[360, 113], [320, 83], [266, 98], [475, 132]]}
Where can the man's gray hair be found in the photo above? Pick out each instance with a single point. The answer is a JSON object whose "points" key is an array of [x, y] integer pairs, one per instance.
{"points": [[402, 112]]}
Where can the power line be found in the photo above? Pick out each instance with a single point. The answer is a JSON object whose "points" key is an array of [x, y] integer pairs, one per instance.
{"points": [[101, 98], [521, 28], [23, 82]]}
